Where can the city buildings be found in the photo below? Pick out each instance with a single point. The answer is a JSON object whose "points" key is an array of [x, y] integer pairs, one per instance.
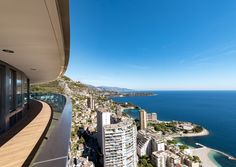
{"points": [[103, 118], [118, 138], [90, 102], [144, 146], [143, 119], [148, 142], [34, 48], [165, 159], [151, 116], [158, 159]]}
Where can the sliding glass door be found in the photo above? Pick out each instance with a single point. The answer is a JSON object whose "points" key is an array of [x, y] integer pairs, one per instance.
{"points": [[1, 97]]}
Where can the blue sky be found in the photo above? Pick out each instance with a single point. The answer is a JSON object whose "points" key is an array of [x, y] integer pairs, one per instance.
{"points": [[154, 44]]}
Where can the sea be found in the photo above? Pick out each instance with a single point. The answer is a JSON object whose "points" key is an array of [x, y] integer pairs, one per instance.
{"points": [[214, 110]]}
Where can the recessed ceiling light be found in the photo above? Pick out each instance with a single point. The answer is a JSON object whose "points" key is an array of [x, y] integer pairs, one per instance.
{"points": [[8, 51]]}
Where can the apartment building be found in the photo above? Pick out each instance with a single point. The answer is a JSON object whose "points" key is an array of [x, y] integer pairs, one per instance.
{"points": [[143, 119], [148, 142], [118, 141]]}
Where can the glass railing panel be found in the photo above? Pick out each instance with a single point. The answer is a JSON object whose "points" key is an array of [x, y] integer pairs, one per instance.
{"points": [[54, 151]]}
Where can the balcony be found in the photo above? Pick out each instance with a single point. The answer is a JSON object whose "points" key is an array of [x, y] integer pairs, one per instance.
{"points": [[54, 149], [42, 137]]}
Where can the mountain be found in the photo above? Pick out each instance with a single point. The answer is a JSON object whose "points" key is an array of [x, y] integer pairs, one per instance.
{"points": [[114, 89]]}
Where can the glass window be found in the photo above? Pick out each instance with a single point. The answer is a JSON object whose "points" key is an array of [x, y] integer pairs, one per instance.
{"points": [[19, 97], [1, 80], [12, 80], [24, 89]]}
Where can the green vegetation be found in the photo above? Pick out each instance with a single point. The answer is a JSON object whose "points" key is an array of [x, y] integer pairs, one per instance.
{"points": [[169, 142], [73, 134], [66, 78], [76, 85], [196, 159], [185, 131], [89, 120], [197, 129], [183, 147], [164, 127], [125, 114], [51, 87], [144, 161]]}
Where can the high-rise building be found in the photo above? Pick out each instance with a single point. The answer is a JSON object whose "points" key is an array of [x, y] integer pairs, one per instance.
{"points": [[143, 119], [151, 117], [118, 141], [34, 48], [103, 118], [90, 102], [154, 116]]}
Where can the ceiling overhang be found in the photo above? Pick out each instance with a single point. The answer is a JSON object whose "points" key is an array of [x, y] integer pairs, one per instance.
{"points": [[39, 34]]}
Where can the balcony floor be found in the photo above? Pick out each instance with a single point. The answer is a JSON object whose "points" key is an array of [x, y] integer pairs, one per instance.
{"points": [[19, 143]]}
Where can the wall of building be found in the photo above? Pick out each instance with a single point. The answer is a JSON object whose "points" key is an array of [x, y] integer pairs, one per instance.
{"points": [[14, 95], [103, 118], [120, 145]]}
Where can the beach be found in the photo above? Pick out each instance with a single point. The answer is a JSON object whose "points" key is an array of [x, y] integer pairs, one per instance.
{"points": [[204, 154]]}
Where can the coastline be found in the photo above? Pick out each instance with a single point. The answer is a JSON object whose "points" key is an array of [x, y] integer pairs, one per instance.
{"points": [[206, 155], [211, 156], [204, 132]]}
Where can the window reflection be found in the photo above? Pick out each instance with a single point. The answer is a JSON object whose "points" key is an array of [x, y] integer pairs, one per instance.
{"points": [[24, 90], [19, 97], [12, 78]]}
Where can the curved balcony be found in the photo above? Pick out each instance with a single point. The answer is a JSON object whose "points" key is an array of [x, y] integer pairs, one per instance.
{"points": [[16, 144], [42, 137], [54, 149]]}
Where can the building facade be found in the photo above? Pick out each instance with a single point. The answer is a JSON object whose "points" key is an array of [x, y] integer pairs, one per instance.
{"points": [[117, 140], [120, 144], [143, 119], [90, 103], [148, 142], [144, 145], [151, 116], [34, 49], [103, 118], [158, 159], [14, 88]]}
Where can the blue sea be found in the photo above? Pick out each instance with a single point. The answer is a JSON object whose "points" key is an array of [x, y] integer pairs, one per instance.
{"points": [[214, 110]]}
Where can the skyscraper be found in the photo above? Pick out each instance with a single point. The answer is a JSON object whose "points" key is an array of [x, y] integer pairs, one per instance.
{"points": [[103, 118], [90, 102], [143, 119], [118, 141]]}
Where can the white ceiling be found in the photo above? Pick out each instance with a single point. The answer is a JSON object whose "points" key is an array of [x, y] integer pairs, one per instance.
{"points": [[32, 29]]}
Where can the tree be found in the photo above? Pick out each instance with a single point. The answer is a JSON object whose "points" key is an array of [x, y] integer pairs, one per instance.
{"points": [[143, 162], [197, 129], [196, 159], [183, 147], [172, 142]]}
